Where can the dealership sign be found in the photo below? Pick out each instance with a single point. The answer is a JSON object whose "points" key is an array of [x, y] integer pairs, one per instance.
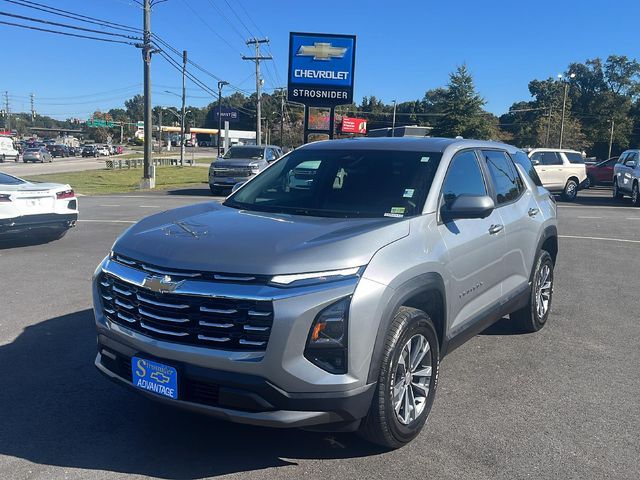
{"points": [[230, 114], [354, 125], [321, 68]]}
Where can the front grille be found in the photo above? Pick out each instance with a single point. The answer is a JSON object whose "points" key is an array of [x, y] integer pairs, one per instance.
{"points": [[232, 172], [228, 324]]}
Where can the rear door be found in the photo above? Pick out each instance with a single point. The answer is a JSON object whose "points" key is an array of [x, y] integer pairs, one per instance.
{"points": [[475, 246], [521, 218], [627, 172], [550, 169]]}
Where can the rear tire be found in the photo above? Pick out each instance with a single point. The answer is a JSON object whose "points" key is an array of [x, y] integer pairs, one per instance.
{"points": [[616, 191], [3, 158], [534, 316], [590, 182], [570, 191], [406, 383]]}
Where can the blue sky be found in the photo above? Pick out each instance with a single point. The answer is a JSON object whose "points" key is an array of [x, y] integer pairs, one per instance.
{"points": [[404, 48]]}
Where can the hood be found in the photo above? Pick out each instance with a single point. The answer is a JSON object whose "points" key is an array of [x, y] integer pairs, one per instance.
{"points": [[212, 237]]}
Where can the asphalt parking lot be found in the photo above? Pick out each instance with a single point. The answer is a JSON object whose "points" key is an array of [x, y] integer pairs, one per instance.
{"points": [[562, 403]]}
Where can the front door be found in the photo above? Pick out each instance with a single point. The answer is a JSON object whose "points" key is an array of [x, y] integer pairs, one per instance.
{"points": [[549, 167], [475, 246]]}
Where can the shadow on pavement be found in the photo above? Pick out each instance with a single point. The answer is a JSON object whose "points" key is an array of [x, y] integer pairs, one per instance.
{"points": [[599, 196], [58, 410], [504, 326], [195, 192]]}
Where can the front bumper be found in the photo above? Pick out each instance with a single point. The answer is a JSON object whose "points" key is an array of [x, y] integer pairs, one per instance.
{"points": [[237, 397], [46, 222], [220, 181]]}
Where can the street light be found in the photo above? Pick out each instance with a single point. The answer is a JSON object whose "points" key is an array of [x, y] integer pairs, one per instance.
{"points": [[563, 79], [221, 83], [393, 124]]}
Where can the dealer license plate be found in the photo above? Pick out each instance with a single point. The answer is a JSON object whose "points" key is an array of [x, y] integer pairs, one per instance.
{"points": [[154, 377]]}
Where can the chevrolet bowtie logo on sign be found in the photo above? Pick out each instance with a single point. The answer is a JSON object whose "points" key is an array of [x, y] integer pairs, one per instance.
{"points": [[321, 69], [160, 284], [321, 51]]}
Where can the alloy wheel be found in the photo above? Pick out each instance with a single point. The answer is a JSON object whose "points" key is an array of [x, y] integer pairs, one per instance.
{"points": [[635, 194], [543, 291], [412, 379]]}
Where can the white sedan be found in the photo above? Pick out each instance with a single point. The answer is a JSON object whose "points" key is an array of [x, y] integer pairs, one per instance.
{"points": [[103, 151], [42, 209]]}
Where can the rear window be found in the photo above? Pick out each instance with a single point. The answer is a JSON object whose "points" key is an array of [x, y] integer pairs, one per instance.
{"points": [[9, 180], [524, 161], [574, 157]]}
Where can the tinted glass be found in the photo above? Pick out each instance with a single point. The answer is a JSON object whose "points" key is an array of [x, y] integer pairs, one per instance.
{"points": [[622, 158], [9, 180], [632, 157], [464, 177], [524, 161], [342, 183], [574, 157], [506, 180], [245, 152], [550, 158]]}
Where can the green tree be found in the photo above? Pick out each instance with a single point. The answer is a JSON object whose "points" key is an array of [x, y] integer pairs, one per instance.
{"points": [[462, 109], [135, 108]]}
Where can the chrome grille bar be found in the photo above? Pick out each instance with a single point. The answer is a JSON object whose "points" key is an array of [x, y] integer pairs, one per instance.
{"points": [[146, 313]]}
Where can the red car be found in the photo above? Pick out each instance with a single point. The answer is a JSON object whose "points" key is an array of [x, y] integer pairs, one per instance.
{"points": [[601, 172]]}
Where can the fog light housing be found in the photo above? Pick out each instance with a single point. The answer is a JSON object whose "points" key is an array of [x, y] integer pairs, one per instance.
{"points": [[327, 342]]}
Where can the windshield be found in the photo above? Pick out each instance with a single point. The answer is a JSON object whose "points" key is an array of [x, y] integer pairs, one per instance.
{"points": [[342, 183], [574, 157], [32, 150], [9, 180], [245, 152]]}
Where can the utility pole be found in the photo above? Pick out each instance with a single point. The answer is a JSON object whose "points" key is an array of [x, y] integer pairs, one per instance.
{"points": [[564, 104], [221, 83], [160, 130], [148, 180], [611, 137], [33, 108], [7, 110], [282, 118], [546, 143], [257, 59], [393, 124], [184, 99]]}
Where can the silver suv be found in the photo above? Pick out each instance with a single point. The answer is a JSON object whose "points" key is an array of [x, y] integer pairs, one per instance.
{"points": [[328, 303], [626, 176], [240, 164]]}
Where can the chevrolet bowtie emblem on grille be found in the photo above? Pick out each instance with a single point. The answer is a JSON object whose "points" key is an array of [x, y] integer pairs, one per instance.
{"points": [[321, 51], [159, 284]]}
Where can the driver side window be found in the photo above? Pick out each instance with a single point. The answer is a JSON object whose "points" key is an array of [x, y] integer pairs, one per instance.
{"points": [[464, 177]]}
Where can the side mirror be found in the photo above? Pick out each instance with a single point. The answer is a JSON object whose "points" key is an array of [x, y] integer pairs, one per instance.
{"points": [[469, 206], [237, 186], [535, 162], [630, 163]]}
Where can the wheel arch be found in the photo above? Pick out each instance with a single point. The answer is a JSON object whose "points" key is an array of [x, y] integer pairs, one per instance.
{"points": [[425, 292], [549, 241]]}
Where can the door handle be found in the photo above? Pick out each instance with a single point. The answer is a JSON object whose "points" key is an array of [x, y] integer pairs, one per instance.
{"points": [[493, 229], [533, 212]]}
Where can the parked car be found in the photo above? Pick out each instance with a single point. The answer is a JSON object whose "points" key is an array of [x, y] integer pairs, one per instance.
{"points": [[240, 164], [89, 151], [103, 151], [38, 154], [330, 307], [29, 209], [561, 171], [626, 175], [601, 172], [8, 150], [58, 151]]}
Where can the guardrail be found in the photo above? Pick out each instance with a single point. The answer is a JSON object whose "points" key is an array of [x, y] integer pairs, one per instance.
{"points": [[117, 164]]}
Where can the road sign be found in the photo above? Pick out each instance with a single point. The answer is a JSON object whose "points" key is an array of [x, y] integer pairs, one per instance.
{"points": [[230, 114], [354, 125], [321, 68], [93, 122]]}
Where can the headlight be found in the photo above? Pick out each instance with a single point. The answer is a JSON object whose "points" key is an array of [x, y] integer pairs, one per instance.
{"points": [[255, 168], [315, 277], [327, 342]]}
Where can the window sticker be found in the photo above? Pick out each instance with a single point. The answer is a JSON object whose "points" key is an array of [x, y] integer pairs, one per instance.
{"points": [[394, 215], [425, 159], [408, 192], [399, 210]]}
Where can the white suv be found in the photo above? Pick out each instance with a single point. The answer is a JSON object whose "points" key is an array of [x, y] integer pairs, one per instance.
{"points": [[561, 171]]}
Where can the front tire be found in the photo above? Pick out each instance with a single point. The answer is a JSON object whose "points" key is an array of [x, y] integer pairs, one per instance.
{"points": [[534, 316], [570, 191], [616, 191], [406, 383], [635, 195]]}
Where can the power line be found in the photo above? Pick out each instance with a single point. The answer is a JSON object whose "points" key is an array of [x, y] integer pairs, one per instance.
{"points": [[28, 27], [224, 40], [66, 25], [74, 16]]}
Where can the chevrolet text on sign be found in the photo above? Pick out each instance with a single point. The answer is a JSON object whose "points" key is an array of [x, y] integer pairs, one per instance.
{"points": [[321, 69]]}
